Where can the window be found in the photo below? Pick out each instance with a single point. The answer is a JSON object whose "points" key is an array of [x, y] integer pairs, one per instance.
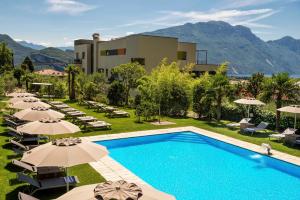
{"points": [[141, 61], [82, 55], [113, 52], [181, 55], [77, 55]]}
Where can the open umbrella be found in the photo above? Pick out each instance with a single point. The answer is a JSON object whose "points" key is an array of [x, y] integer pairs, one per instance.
{"points": [[38, 113], [65, 152], [29, 103], [48, 126], [295, 109], [91, 192], [249, 102], [14, 94], [21, 98]]}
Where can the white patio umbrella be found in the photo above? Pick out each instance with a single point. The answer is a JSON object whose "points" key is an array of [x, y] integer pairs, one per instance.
{"points": [[65, 153], [295, 109], [14, 94], [48, 126], [38, 113], [248, 102], [21, 98], [29, 103], [90, 192]]}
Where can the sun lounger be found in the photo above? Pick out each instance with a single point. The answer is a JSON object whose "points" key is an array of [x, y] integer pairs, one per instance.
{"points": [[23, 196], [22, 137], [20, 147], [233, 125], [75, 113], [24, 166], [98, 125], [68, 110], [47, 183], [119, 113], [260, 127], [281, 136]]}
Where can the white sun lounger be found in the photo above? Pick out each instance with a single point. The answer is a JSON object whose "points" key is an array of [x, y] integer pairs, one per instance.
{"points": [[260, 127], [281, 136], [23, 196], [20, 148], [233, 125]]}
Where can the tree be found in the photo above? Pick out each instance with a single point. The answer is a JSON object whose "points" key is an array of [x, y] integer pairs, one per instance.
{"points": [[168, 87], [129, 75], [72, 71], [220, 88], [7, 82], [116, 93], [6, 58], [255, 85], [27, 64], [280, 88], [18, 74], [27, 78]]}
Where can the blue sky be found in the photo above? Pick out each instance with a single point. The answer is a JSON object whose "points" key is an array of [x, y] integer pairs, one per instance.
{"points": [[59, 22]]}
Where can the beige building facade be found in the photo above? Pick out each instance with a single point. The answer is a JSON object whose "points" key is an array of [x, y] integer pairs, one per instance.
{"points": [[102, 56]]}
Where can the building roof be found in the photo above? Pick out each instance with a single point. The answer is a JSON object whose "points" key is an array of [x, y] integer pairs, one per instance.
{"points": [[50, 72]]}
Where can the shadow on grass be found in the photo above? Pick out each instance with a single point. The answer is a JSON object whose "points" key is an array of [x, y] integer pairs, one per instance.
{"points": [[12, 168], [14, 194]]}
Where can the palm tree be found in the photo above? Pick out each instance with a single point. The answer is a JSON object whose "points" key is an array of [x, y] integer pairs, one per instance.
{"points": [[280, 88], [220, 88], [72, 70]]}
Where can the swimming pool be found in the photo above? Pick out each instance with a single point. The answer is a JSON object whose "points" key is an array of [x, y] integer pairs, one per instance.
{"points": [[192, 166]]}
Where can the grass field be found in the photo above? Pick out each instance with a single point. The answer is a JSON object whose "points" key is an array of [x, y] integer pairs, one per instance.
{"points": [[9, 186]]}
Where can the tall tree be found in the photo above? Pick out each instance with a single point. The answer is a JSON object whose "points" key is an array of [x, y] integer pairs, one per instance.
{"points": [[255, 85], [72, 71], [27, 78], [129, 75], [18, 75], [220, 88], [27, 64], [280, 88], [6, 58]]}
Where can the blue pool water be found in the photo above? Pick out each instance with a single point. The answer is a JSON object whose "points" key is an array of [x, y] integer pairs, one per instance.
{"points": [[195, 167]]}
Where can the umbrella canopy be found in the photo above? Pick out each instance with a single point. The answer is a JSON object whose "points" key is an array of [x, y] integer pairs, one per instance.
{"points": [[38, 113], [295, 109], [90, 192], [48, 126], [29, 103], [21, 98], [65, 152], [249, 102], [14, 94]]}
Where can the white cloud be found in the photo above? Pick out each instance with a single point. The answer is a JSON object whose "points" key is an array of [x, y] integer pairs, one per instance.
{"points": [[71, 7], [236, 17], [240, 4]]}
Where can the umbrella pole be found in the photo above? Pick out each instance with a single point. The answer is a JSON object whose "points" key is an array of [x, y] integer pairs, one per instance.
{"points": [[248, 111], [295, 123], [67, 178]]}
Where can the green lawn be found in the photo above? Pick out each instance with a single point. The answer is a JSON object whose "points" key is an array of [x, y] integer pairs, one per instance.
{"points": [[9, 186]]}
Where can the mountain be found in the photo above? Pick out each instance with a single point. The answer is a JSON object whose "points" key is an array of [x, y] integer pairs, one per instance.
{"points": [[31, 45], [53, 57], [287, 42], [236, 44]]}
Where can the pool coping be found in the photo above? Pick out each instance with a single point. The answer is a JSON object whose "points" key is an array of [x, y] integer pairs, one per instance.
{"points": [[112, 170]]}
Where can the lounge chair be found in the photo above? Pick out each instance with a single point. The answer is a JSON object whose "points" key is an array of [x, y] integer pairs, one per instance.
{"points": [[23, 137], [24, 166], [260, 127], [234, 125], [23, 196], [20, 147], [119, 113], [47, 183], [98, 125], [281, 136]]}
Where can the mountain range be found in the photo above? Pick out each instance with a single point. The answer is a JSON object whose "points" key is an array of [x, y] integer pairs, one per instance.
{"points": [[245, 52], [41, 56], [238, 45], [40, 47]]}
